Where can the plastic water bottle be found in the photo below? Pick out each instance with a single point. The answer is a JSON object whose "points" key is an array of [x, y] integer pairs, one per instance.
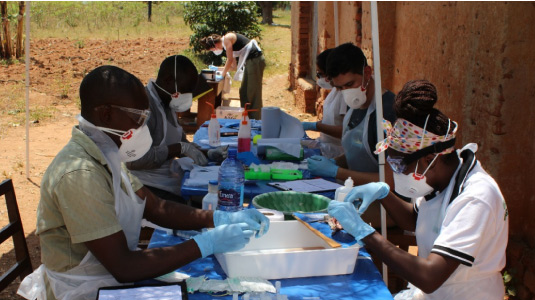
{"points": [[231, 183], [342, 191], [209, 202]]}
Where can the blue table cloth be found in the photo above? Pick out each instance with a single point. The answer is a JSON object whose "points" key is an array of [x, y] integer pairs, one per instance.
{"points": [[364, 283]]}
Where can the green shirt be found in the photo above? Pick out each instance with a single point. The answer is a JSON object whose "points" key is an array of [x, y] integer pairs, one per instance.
{"points": [[77, 203]]}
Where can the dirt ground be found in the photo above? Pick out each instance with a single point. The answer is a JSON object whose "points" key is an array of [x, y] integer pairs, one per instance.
{"points": [[57, 68]]}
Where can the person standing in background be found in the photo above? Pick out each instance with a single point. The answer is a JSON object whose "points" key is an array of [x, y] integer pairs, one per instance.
{"points": [[249, 59]]}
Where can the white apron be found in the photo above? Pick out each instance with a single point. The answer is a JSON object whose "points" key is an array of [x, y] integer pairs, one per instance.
{"points": [[330, 146], [162, 178], [242, 55], [83, 281], [358, 154]]}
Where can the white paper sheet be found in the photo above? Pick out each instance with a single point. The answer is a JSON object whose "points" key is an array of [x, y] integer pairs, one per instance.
{"points": [[307, 185], [278, 124]]}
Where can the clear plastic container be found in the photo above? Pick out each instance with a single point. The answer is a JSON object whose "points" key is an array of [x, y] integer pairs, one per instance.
{"points": [[214, 136], [209, 202], [342, 191], [231, 183]]}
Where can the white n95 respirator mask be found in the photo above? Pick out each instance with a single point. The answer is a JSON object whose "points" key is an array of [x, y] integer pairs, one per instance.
{"points": [[413, 185], [181, 102], [134, 142], [324, 84]]}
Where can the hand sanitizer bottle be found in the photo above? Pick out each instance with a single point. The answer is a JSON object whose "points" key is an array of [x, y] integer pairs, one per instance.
{"points": [[342, 191], [209, 202]]}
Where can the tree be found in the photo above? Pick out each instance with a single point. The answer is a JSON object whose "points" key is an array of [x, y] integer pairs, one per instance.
{"points": [[219, 17], [267, 11], [150, 10], [20, 28], [6, 43]]}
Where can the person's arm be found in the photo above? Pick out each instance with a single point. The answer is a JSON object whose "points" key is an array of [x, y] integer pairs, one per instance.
{"points": [[428, 274], [174, 215], [230, 58], [332, 130]]}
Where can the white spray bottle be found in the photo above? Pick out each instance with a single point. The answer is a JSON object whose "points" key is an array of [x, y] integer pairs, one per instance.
{"points": [[342, 191], [214, 137]]}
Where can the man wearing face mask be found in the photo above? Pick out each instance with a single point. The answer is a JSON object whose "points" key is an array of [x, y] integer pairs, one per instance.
{"points": [[349, 72], [170, 93], [459, 214], [248, 57], [91, 207], [334, 110]]}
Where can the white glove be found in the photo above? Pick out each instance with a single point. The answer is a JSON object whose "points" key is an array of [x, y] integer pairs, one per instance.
{"points": [[218, 154]]}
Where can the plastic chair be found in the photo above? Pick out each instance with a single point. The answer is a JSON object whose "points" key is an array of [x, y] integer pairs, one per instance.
{"points": [[23, 265]]}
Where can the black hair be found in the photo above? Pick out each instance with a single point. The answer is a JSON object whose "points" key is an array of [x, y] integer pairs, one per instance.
{"points": [[186, 73], [107, 85], [210, 41], [321, 59], [414, 103], [345, 58]]}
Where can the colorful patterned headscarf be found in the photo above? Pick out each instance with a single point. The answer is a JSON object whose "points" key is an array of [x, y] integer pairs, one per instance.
{"points": [[406, 137]]}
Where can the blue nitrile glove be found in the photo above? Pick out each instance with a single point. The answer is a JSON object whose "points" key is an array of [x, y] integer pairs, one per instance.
{"points": [[252, 217], [363, 195], [310, 126], [223, 238], [322, 166], [348, 217]]}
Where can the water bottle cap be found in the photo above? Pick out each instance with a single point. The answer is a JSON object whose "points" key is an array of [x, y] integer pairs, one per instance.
{"points": [[232, 152], [212, 182]]}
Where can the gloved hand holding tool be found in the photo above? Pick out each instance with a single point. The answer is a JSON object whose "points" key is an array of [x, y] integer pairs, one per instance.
{"points": [[349, 218], [223, 238], [322, 166], [192, 151], [252, 217], [363, 195], [218, 154]]}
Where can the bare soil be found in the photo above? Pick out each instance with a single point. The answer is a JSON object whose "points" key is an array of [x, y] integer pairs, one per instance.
{"points": [[57, 68]]}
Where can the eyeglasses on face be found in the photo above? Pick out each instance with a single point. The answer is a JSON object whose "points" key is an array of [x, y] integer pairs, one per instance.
{"points": [[397, 164], [140, 116]]}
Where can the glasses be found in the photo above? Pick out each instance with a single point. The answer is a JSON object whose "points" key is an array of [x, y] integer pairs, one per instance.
{"points": [[397, 164], [320, 75], [140, 116]]}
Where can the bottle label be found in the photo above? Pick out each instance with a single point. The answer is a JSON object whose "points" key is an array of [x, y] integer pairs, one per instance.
{"points": [[230, 198], [244, 144]]}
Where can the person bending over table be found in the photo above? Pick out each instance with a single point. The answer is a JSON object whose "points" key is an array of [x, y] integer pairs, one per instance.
{"points": [[459, 214], [250, 66], [170, 93], [334, 110], [91, 207], [349, 72]]}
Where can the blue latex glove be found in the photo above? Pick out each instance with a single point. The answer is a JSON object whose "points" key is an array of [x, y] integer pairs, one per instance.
{"points": [[322, 166], [252, 217], [363, 195], [347, 216], [223, 238], [309, 126]]}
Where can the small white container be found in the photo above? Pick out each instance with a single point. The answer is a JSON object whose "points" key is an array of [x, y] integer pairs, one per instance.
{"points": [[229, 112], [341, 192], [288, 250]]}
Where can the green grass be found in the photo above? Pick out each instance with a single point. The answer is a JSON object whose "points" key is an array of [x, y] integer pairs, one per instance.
{"points": [[276, 44], [106, 20]]}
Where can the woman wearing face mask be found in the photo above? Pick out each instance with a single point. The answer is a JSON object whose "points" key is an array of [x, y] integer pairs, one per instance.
{"points": [[459, 214], [250, 66], [170, 93], [350, 73], [334, 110]]}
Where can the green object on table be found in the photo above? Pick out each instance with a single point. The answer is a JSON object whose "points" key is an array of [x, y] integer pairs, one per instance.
{"points": [[273, 153], [257, 175], [291, 202], [282, 174]]}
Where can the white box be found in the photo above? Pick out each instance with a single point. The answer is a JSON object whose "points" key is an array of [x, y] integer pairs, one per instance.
{"points": [[288, 250], [229, 112]]}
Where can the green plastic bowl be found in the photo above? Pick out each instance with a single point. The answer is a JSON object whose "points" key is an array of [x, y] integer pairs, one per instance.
{"points": [[290, 202]]}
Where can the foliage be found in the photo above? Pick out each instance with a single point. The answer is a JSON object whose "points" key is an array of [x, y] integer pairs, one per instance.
{"points": [[509, 282], [219, 17]]}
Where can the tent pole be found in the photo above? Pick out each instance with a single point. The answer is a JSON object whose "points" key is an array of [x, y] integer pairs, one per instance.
{"points": [[379, 112], [27, 83]]}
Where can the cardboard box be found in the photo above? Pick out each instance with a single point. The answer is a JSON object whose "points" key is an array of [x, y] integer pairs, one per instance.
{"points": [[228, 112], [288, 250]]}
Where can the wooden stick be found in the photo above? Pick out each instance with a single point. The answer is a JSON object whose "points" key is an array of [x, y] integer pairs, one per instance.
{"points": [[331, 242]]}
